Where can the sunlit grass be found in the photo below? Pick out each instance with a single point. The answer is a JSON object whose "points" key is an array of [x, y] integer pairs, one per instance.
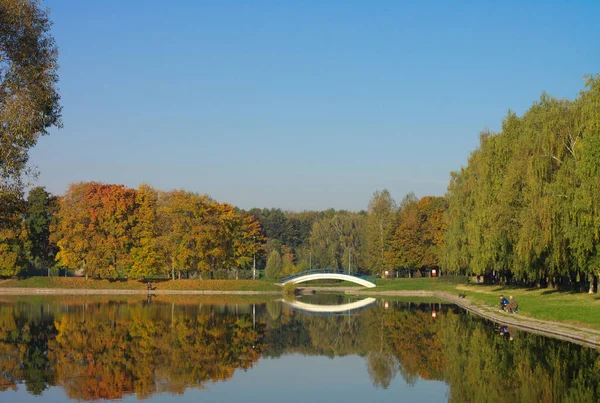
{"points": [[549, 304], [93, 284]]}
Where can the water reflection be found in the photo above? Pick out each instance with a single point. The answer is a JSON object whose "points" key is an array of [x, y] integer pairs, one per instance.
{"points": [[101, 349], [330, 309]]}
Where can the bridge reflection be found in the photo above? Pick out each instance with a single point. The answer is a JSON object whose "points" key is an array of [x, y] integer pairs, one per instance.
{"points": [[351, 307]]}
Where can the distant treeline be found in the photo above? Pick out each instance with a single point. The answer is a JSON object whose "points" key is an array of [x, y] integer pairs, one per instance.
{"points": [[112, 231], [525, 208]]}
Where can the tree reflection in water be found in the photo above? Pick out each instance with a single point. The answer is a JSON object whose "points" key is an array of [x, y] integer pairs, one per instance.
{"points": [[107, 350]]}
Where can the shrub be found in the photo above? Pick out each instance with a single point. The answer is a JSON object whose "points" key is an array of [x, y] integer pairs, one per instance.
{"points": [[289, 289]]}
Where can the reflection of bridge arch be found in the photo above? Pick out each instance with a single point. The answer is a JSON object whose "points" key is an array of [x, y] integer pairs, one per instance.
{"points": [[344, 308], [327, 274]]}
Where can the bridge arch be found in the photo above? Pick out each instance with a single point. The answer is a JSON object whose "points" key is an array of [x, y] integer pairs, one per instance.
{"points": [[327, 274]]}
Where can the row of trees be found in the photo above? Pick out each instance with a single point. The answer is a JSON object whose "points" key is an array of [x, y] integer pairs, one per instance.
{"points": [[111, 231], [526, 205]]}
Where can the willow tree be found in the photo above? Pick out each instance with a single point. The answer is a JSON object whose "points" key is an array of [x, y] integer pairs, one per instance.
{"points": [[336, 242], [526, 204]]}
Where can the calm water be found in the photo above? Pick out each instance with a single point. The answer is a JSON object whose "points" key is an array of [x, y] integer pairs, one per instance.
{"points": [[184, 349]]}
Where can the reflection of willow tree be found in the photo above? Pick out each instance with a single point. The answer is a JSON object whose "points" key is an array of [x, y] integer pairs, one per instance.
{"points": [[274, 309], [313, 335], [382, 365], [466, 352], [483, 366]]}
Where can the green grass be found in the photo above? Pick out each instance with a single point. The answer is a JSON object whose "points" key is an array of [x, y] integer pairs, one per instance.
{"points": [[562, 306], [180, 285], [579, 309], [413, 284]]}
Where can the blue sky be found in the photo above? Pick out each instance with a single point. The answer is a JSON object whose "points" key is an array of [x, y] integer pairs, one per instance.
{"points": [[300, 105]]}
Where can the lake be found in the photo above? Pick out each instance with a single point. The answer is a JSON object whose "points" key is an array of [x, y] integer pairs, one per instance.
{"points": [[233, 349]]}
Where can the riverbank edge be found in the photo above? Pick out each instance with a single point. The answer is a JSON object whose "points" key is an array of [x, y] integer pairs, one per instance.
{"points": [[559, 330], [88, 291]]}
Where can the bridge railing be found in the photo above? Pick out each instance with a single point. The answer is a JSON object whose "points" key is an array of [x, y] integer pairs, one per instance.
{"points": [[320, 271]]}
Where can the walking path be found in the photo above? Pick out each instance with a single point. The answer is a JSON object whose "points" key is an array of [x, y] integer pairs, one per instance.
{"points": [[564, 331]]}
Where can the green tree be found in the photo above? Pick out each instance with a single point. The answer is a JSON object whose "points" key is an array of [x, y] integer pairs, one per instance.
{"points": [[41, 208], [379, 222], [336, 241], [29, 100], [274, 265]]}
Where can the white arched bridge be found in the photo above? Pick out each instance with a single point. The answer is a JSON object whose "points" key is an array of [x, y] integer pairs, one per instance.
{"points": [[328, 274]]}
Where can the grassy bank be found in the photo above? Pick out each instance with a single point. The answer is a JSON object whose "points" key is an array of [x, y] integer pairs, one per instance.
{"points": [[549, 304], [82, 283]]}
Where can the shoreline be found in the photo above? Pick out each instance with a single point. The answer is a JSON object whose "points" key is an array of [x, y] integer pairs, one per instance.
{"points": [[564, 331], [587, 337], [87, 291]]}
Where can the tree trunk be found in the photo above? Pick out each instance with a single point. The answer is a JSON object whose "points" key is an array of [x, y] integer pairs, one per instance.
{"points": [[591, 278], [172, 271]]}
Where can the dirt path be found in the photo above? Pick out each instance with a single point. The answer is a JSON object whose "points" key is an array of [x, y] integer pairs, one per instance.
{"points": [[563, 331]]}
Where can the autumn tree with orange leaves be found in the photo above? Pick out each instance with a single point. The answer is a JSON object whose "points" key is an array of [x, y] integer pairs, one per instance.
{"points": [[419, 232], [111, 231]]}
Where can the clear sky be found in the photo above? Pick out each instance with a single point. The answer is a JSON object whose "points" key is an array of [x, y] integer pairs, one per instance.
{"points": [[300, 105]]}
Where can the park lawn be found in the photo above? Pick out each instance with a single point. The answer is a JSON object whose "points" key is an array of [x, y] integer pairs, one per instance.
{"points": [[413, 284], [579, 309], [179, 285], [563, 306]]}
